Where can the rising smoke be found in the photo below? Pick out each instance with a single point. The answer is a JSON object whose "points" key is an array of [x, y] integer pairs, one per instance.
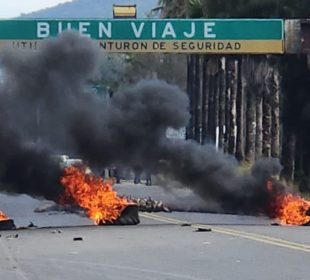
{"points": [[46, 110]]}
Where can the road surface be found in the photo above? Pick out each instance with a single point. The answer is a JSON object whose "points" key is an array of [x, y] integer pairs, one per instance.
{"points": [[163, 246]]}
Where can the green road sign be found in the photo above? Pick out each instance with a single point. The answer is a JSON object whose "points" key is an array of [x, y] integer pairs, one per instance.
{"points": [[162, 35]]}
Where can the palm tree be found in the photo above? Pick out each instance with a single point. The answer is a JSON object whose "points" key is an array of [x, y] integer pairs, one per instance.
{"points": [[222, 101], [267, 113], [240, 109], [253, 80], [232, 86], [205, 100], [191, 94], [211, 99], [198, 98], [275, 111], [260, 70], [174, 8]]}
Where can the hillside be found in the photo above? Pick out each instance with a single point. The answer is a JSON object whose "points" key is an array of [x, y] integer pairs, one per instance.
{"points": [[90, 9]]}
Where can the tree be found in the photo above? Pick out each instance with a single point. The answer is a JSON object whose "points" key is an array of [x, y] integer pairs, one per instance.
{"points": [[222, 100], [276, 91], [256, 8], [240, 109], [174, 8], [260, 71], [198, 98], [275, 111], [205, 100], [190, 92], [211, 107], [168, 67], [296, 119], [181, 9], [267, 113], [250, 109], [232, 68]]}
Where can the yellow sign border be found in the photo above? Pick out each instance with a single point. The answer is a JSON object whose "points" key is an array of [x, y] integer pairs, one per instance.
{"points": [[173, 46]]}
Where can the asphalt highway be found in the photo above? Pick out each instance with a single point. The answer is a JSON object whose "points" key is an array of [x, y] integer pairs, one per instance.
{"points": [[177, 245]]}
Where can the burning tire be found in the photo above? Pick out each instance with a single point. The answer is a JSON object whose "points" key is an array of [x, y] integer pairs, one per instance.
{"points": [[129, 216], [7, 225]]}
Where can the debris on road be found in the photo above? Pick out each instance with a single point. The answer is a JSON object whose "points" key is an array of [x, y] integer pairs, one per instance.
{"points": [[32, 225], [129, 216], [144, 205], [200, 229], [150, 205], [186, 225], [78, 239], [56, 231], [7, 225], [13, 236]]}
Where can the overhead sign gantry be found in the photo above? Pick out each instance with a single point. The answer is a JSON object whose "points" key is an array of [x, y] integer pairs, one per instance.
{"points": [[221, 36]]}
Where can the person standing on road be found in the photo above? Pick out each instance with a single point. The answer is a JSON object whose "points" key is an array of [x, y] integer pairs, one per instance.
{"points": [[138, 171], [148, 179], [117, 174]]}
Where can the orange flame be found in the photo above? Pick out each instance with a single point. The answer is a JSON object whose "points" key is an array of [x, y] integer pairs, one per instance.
{"points": [[3, 217], [290, 209], [93, 194]]}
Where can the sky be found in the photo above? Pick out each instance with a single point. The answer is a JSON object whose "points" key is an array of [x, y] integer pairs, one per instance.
{"points": [[13, 8]]}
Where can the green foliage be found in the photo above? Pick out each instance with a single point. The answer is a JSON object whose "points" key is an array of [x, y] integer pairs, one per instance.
{"points": [[174, 8], [236, 8], [294, 70], [256, 8], [195, 9], [181, 9], [168, 67]]}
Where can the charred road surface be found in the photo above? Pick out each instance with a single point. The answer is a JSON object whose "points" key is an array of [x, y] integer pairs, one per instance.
{"points": [[176, 245]]}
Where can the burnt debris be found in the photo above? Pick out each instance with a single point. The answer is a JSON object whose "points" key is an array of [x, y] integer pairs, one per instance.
{"points": [[129, 216], [203, 229], [7, 225], [78, 238]]}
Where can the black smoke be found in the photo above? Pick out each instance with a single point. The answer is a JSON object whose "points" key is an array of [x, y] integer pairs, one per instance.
{"points": [[46, 110], [27, 169]]}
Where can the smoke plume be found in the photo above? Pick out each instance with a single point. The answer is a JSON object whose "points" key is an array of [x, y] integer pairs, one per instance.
{"points": [[46, 110]]}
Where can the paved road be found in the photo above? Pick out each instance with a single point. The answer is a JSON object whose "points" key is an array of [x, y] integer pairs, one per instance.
{"points": [[161, 247]]}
